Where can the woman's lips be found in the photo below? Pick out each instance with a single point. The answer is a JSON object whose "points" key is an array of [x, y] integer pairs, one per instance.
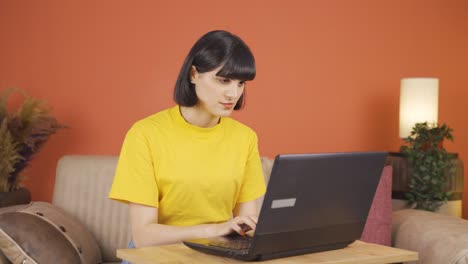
{"points": [[227, 105]]}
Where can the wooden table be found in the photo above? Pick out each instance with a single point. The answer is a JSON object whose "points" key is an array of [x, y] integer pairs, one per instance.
{"points": [[358, 252]]}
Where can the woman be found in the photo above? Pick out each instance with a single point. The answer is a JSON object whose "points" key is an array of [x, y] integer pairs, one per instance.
{"points": [[187, 170]]}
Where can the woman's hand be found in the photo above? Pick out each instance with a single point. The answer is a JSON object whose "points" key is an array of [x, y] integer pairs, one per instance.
{"points": [[239, 224]]}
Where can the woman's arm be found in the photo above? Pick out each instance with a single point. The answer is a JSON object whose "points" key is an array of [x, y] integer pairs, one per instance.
{"points": [[248, 210], [147, 232]]}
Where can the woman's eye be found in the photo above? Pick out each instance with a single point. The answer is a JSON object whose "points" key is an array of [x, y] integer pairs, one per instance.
{"points": [[224, 80], [241, 84]]}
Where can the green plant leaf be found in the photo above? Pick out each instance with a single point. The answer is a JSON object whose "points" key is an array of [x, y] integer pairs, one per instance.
{"points": [[430, 165]]}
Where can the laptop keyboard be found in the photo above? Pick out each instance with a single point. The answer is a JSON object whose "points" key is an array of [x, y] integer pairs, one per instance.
{"points": [[238, 243]]}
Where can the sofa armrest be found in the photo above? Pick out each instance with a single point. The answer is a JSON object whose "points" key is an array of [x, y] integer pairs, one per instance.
{"points": [[439, 239]]}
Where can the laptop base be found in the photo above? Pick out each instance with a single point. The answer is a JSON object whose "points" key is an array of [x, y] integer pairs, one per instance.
{"points": [[296, 252], [245, 256], [223, 252]]}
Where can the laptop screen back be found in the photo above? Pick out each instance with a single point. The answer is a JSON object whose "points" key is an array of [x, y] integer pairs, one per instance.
{"points": [[314, 191]]}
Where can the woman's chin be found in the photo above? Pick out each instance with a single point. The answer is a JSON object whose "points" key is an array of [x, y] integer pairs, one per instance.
{"points": [[226, 112]]}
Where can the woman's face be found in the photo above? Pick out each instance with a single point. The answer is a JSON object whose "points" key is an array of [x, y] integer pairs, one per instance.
{"points": [[216, 95]]}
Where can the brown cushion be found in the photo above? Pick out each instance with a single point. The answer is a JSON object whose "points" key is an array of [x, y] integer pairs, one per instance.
{"points": [[43, 233]]}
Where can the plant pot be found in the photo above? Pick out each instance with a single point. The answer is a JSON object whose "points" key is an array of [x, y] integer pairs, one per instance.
{"points": [[20, 196]]}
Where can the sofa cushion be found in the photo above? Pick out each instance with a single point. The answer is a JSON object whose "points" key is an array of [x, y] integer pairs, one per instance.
{"points": [[42, 233], [378, 228], [439, 239]]}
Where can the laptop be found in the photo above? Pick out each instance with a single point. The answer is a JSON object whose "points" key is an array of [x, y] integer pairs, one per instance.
{"points": [[313, 203]]}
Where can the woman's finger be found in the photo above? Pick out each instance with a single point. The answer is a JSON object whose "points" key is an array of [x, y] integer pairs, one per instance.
{"points": [[237, 228], [251, 224]]}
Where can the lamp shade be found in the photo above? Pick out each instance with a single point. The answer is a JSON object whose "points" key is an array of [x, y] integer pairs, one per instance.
{"points": [[419, 100]]}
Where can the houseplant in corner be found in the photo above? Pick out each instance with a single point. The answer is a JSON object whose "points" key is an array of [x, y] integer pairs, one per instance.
{"points": [[22, 134], [430, 166]]}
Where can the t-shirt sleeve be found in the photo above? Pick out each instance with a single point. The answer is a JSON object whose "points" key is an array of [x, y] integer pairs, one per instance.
{"points": [[134, 179], [253, 185]]}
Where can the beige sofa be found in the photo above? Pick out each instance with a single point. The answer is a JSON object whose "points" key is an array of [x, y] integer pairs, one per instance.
{"points": [[83, 182]]}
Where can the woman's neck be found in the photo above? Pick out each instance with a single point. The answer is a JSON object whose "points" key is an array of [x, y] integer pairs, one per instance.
{"points": [[198, 117]]}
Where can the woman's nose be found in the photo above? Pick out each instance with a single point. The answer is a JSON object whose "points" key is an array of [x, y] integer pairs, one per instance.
{"points": [[231, 91]]}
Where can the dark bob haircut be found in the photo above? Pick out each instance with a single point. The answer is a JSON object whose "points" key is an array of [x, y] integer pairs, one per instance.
{"points": [[215, 49]]}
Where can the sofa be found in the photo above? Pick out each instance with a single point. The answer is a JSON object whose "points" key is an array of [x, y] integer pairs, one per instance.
{"points": [[82, 216]]}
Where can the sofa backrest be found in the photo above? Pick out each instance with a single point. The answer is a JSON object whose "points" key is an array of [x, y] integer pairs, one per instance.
{"points": [[81, 188]]}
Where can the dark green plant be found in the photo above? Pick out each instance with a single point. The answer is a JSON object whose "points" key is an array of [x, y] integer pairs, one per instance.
{"points": [[429, 163], [22, 134]]}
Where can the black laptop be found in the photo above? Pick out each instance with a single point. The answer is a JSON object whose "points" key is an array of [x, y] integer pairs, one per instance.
{"points": [[314, 202]]}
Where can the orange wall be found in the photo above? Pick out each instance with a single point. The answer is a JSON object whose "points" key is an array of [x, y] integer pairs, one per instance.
{"points": [[328, 71]]}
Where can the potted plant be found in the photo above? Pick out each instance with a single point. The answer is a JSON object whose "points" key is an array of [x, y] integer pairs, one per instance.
{"points": [[22, 134], [429, 163]]}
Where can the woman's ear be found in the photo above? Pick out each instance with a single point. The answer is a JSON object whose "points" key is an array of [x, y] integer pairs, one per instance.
{"points": [[193, 74]]}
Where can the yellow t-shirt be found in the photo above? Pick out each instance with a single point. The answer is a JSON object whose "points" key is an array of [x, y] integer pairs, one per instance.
{"points": [[193, 175]]}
